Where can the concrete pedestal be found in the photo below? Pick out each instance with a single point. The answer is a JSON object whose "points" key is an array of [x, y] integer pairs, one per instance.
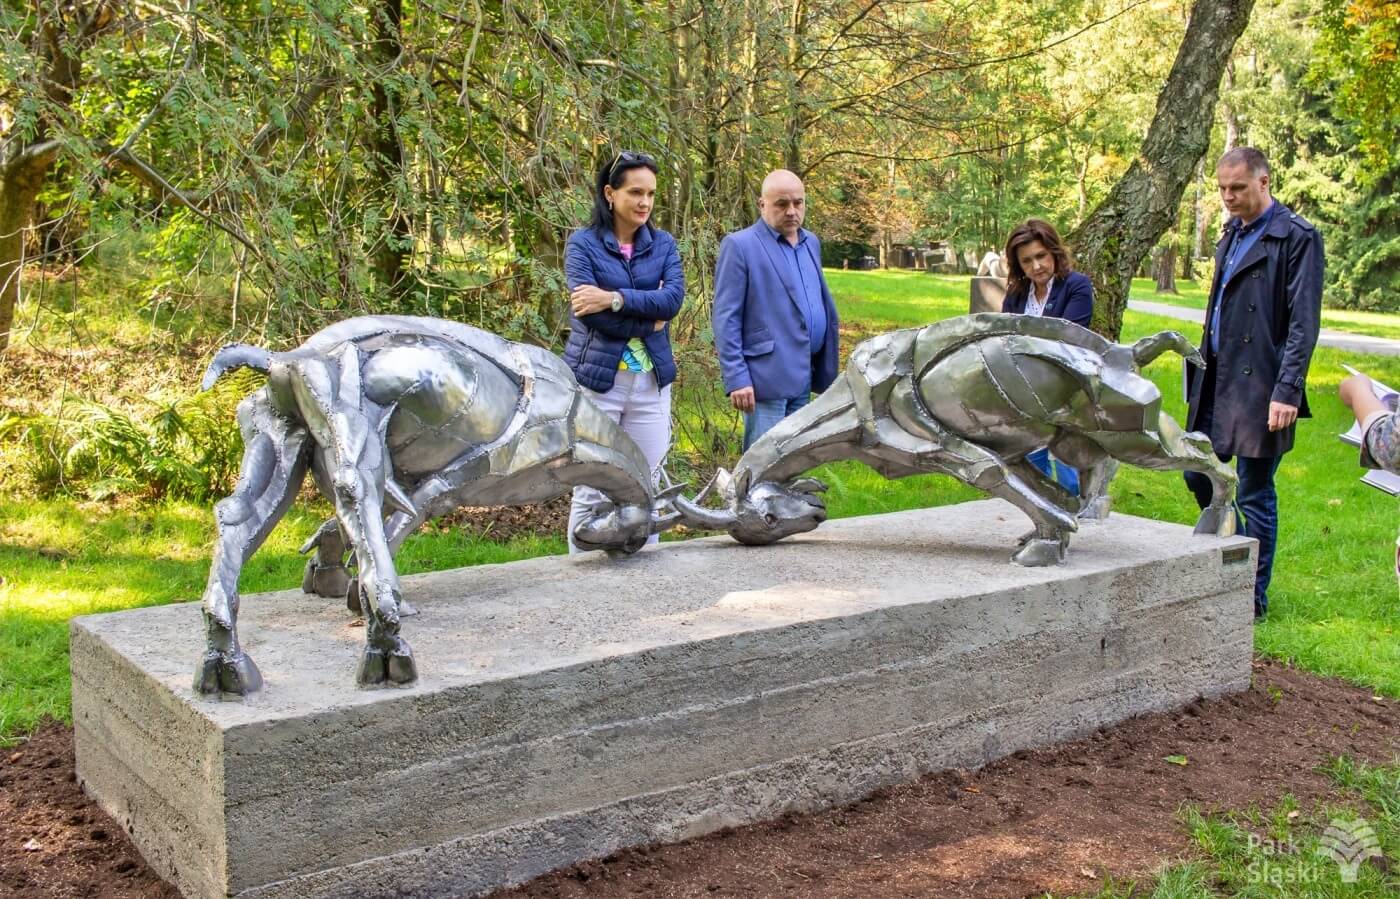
{"points": [[569, 707]]}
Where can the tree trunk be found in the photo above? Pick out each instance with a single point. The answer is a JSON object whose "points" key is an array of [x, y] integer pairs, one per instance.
{"points": [[1164, 268], [1198, 239], [750, 112], [1082, 185], [1227, 109], [20, 181], [1198, 223], [888, 214], [392, 248], [1140, 208], [60, 42], [792, 140]]}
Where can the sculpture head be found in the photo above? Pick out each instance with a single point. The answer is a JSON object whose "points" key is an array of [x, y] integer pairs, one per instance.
{"points": [[609, 526], [764, 513]]}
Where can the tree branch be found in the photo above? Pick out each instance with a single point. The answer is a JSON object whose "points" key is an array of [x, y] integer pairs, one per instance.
{"points": [[300, 107], [127, 162]]}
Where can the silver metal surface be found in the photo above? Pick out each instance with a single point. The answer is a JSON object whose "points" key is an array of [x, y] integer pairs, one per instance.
{"points": [[971, 397], [400, 420]]}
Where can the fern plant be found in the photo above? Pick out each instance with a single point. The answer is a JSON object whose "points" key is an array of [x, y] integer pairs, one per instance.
{"points": [[186, 448]]}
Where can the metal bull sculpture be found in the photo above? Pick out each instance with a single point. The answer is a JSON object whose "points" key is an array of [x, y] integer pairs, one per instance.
{"points": [[971, 397], [399, 420]]}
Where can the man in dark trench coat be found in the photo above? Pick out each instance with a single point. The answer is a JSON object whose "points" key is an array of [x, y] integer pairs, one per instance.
{"points": [[1261, 326]]}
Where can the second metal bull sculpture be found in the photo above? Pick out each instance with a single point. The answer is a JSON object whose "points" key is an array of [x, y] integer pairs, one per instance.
{"points": [[971, 397], [399, 420]]}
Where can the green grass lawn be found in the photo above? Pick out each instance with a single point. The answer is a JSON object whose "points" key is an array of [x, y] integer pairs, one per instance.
{"points": [[1193, 295], [943, 295]]}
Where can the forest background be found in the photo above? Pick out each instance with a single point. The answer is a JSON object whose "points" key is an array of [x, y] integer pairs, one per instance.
{"points": [[255, 169]]}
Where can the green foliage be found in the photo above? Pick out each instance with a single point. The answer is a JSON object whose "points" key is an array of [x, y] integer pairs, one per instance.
{"points": [[1310, 84], [188, 448], [1359, 44], [1365, 260]]}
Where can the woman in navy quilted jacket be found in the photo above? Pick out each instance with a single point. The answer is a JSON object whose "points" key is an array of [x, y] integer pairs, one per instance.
{"points": [[625, 286]]}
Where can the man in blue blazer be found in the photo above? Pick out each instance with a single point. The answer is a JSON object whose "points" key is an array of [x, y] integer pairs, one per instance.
{"points": [[774, 319]]}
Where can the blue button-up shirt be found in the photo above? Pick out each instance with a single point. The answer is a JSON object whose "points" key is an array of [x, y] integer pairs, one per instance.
{"points": [[1241, 240], [807, 278]]}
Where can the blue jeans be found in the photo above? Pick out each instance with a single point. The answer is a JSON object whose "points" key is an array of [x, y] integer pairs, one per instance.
{"points": [[1257, 500], [767, 413], [1064, 475]]}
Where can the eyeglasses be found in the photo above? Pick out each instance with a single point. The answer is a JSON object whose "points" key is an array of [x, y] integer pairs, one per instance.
{"points": [[629, 157]]}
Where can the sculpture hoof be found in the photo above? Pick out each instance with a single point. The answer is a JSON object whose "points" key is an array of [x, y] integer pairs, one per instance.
{"points": [[395, 666], [406, 610], [325, 580], [232, 673], [1218, 522], [1039, 552]]}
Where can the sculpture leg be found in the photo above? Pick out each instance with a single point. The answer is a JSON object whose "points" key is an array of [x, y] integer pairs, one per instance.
{"points": [[274, 463], [397, 528], [387, 656], [1045, 486], [980, 468], [326, 574], [1097, 469], [1172, 449], [355, 465], [1095, 504], [986, 471]]}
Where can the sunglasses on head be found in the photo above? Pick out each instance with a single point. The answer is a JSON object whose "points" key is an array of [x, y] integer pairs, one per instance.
{"points": [[629, 157]]}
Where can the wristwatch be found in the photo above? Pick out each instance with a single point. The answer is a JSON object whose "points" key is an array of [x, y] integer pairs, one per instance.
{"points": [[617, 301]]}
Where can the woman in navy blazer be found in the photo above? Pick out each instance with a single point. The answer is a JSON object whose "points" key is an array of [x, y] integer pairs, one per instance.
{"points": [[625, 285], [1041, 280], [1037, 258]]}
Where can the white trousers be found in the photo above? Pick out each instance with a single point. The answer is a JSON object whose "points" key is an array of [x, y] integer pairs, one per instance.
{"points": [[645, 414]]}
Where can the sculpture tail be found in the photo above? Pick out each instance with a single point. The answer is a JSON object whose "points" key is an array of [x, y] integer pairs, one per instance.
{"points": [[232, 356]]}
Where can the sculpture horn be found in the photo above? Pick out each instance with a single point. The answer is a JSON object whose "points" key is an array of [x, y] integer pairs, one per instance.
{"points": [[699, 517], [1149, 348]]}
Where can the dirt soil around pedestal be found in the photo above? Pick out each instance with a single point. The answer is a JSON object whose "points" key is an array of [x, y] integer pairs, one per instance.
{"points": [[1059, 819]]}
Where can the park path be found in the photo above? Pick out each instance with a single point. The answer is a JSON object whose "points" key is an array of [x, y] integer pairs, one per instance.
{"points": [[1337, 340]]}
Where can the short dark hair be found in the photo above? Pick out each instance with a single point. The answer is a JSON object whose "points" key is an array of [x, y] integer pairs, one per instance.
{"points": [[1030, 231], [612, 173], [1249, 157]]}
